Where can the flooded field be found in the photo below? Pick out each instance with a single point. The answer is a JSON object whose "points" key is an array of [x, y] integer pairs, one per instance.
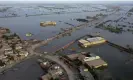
{"points": [[26, 18], [117, 60], [27, 70]]}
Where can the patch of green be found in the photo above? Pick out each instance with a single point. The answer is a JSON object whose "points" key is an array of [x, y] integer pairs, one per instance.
{"points": [[10, 36], [110, 28], [131, 10], [113, 29]]}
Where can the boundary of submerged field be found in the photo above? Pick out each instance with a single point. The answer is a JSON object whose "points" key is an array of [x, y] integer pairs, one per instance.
{"points": [[121, 48]]}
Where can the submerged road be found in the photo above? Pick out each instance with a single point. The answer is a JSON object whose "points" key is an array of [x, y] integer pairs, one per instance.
{"points": [[69, 31]]}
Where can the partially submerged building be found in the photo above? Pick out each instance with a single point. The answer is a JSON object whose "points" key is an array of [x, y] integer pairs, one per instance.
{"points": [[48, 23], [46, 77], [96, 63], [91, 41], [90, 59], [54, 71]]}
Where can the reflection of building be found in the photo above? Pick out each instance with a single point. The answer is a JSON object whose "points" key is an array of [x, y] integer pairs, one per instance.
{"points": [[91, 41]]}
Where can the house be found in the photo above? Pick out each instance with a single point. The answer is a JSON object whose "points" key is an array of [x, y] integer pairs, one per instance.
{"points": [[8, 52], [96, 63], [73, 56], [2, 30], [18, 46], [91, 41], [2, 56], [1, 35], [46, 77], [23, 53], [84, 43], [7, 47], [88, 57], [55, 71]]}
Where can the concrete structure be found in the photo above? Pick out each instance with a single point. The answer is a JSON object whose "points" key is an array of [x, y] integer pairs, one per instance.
{"points": [[47, 23], [8, 52], [46, 77], [73, 56], [96, 63], [18, 46], [23, 53], [84, 43], [91, 41], [88, 57], [6, 47], [96, 40]]}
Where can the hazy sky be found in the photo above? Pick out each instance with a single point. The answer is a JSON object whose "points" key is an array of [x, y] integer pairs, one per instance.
{"points": [[66, 0]]}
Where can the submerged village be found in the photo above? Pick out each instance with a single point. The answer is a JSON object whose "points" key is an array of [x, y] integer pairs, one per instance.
{"points": [[58, 67], [91, 56]]}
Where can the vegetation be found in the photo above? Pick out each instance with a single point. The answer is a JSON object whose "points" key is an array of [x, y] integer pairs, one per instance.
{"points": [[82, 20], [10, 36], [110, 28], [130, 30], [113, 29], [129, 47], [4, 9], [2, 63], [131, 10]]}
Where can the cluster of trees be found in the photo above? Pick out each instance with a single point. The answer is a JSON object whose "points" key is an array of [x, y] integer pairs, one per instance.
{"points": [[82, 20], [131, 10], [4, 9], [113, 29], [110, 28], [10, 36]]}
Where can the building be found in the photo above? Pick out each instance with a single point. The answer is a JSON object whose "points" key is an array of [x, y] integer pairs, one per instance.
{"points": [[23, 53], [48, 23], [90, 59], [96, 40], [45, 64], [96, 63], [84, 43], [8, 52], [3, 30], [55, 71], [6, 47], [18, 46], [2, 56], [46, 77], [73, 56], [91, 41]]}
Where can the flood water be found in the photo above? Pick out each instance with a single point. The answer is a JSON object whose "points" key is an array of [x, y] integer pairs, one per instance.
{"points": [[22, 25], [27, 70]]}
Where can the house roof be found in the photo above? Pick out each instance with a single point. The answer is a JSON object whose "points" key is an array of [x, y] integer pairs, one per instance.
{"points": [[95, 63], [73, 56]]}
